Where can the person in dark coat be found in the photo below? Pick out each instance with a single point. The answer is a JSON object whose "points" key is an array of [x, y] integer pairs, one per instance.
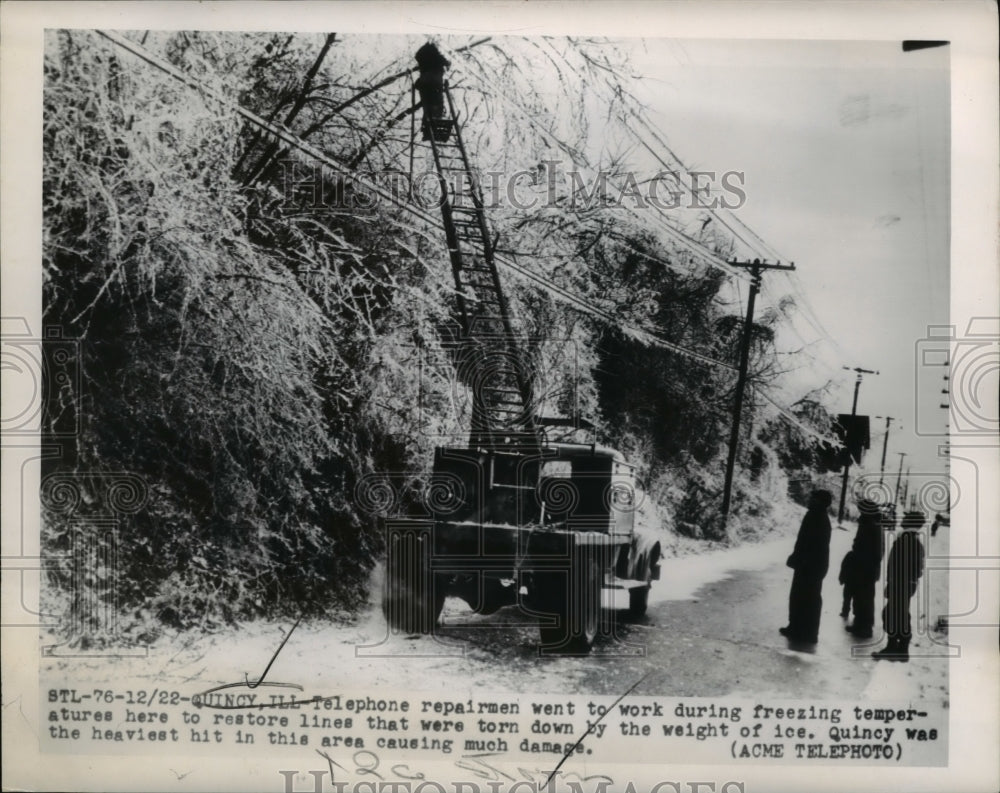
{"points": [[430, 86], [903, 571], [810, 560], [846, 578], [866, 563]]}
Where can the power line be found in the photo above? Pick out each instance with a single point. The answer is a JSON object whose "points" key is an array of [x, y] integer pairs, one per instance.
{"points": [[695, 247], [808, 312], [766, 249], [582, 304], [293, 141], [791, 418]]}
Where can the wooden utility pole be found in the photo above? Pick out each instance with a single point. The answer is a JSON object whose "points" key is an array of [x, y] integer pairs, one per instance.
{"points": [[755, 267], [854, 410], [899, 478], [885, 447]]}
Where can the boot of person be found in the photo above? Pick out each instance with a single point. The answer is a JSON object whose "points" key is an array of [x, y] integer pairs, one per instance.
{"points": [[895, 650], [859, 631], [903, 651]]}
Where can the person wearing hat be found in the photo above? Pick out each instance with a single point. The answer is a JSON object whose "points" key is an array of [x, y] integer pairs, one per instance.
{"points": [[865, 568], [903, 571], [810, 560]]}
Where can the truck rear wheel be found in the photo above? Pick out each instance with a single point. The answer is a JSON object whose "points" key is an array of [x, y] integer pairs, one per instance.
{"points": [[638, 600], [414, 596], [484, 596], [576, 602]]}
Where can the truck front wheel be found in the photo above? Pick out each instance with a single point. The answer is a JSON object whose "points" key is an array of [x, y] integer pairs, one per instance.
{"points": [[575, 600]]}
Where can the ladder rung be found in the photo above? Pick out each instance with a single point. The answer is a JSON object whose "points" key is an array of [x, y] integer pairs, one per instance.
{"points": [[503, 387], [496, 381], [474, 284], [485, 293], [490, 337], [482, 296], [485, 288], [507, 405]]}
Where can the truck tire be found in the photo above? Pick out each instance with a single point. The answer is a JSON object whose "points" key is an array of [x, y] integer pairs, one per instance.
{"points": [[485, 596], [638, 597], [414, 596], [576, 602], [638, 600]]}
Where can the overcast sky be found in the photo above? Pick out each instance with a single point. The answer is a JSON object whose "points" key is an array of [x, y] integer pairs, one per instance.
{"points": [[845, 149]]}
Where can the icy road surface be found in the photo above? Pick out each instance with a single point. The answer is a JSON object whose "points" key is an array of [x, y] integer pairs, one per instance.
{"points": [[711, 630]]}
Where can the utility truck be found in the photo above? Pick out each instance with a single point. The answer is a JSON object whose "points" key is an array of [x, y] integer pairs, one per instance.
{"points": [[511, 517]]}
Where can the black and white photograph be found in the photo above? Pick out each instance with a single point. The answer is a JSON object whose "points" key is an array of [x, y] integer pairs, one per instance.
{"points": [[495, 399]]}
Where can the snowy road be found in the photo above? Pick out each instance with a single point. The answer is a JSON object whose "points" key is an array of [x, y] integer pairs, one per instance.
{"points": [[711, 630]]}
